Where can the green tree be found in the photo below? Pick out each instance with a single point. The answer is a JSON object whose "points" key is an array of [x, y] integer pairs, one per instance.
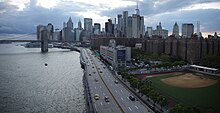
{"points": [[162, 100], [165, 58], [211, 60], [153, 95], [179, 108]]}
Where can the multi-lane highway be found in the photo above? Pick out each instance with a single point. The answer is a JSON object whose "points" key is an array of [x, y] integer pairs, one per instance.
{"points": [[102, 82]]}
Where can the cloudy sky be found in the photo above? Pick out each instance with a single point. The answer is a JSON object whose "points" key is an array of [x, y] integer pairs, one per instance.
{"points": [[22, 16]]}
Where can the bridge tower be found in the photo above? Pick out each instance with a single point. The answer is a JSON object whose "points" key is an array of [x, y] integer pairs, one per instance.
{"points": [[44, 41]]}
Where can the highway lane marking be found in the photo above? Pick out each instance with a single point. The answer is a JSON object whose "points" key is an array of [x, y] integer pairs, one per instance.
{"points": [[128, 98], [136, 107], [121, 91], [122, 98], [129, 108], [101, 103], [116, 91], [95, 87]]}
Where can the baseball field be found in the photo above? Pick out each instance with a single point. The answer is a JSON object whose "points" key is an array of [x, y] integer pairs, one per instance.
{"points": [[192, 89]]}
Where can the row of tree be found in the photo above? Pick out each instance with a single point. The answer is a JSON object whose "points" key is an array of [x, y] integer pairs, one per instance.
{"points": [[180, 108], [145, 88], [211, 60]]}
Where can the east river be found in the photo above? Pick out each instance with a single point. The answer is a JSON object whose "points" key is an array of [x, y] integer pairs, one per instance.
{"points": [[28, 86]]}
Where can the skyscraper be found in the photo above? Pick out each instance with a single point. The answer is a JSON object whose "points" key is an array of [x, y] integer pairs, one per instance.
{"points": [[67, 32], [125, 23], [150, 31], [39, 29], [109, 27], [79, 25], [119, 25], [97, 28], [88, 25], [129, 27], [176, 30], [187, 30], [137, 26], [50, 31], [70, 24], [160, 32], [137, 10]]}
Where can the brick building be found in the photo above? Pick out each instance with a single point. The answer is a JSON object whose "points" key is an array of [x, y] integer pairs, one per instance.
{"points": [[191, 49]]}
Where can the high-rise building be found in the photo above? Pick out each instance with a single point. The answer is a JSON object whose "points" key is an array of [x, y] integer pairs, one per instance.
{"points": [[137, 10], [198, 27], [88, 25], [149, 31], [78, 31], [129, 27], [80, 25], [187, 30], [120, 22], [119, 25], [137, 26], [125, 23], [39, 29], [176, 30], [97, 28], [70, 24], [109, 27], [50, 31], [160, 32], [67, 32], [57, 35]]}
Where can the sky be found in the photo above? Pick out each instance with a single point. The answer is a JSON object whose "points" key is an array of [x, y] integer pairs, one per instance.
{"points": [[22, 16]]}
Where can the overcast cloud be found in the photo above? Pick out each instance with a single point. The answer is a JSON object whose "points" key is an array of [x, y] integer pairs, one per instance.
{"points": [[22, 16]]}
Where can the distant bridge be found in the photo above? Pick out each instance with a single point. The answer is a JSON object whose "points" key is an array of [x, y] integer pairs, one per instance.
{"points": [[44, 43], [9, 41]]}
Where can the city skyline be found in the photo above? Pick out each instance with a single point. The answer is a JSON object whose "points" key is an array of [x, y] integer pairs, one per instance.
{"points": [[29, 14]]}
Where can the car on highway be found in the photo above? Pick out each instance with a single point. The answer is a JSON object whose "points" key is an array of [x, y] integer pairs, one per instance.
{"points": [[89, 74], [96, 96], [96, 80], [106, 99], [100, 71], [111, 68], [131, 98], [116, 81], [94, 72]]}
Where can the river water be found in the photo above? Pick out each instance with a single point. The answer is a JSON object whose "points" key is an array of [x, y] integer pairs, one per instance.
{"points": [[28, 86]]}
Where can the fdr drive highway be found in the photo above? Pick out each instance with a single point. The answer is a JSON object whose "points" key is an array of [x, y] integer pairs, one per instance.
{"points": [[107, 94]]}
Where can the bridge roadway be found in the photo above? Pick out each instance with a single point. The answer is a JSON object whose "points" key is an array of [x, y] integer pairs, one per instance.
{"points": [[1, 41], [106, 86]]}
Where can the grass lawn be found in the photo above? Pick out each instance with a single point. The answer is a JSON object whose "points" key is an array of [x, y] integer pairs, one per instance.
{"points": [[206, 98]]}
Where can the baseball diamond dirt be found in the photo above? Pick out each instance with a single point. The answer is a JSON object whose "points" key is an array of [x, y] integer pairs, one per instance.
{"points": [[189, 80]]}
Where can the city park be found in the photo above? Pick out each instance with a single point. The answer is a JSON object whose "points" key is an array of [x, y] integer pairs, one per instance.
{"points": [[177, 91]]}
